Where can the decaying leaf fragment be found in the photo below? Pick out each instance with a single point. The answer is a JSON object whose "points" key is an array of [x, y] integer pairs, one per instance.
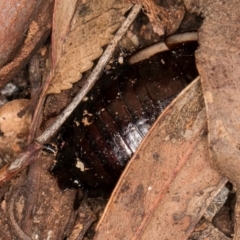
{"points": [[91, 27], [218, 60]]}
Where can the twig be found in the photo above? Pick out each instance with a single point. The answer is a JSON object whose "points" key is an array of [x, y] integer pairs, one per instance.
{"points": [[93, 76], [182, 38], [23, 160], [33, 173]]}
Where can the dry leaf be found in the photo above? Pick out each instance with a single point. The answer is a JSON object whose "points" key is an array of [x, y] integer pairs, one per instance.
{"points": [[218, 61], [91, 27], [169, 183]]}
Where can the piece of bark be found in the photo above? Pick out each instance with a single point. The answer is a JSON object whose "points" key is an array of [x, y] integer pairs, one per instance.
{"points": [[218, 60], [38, 31], [168, 183]]}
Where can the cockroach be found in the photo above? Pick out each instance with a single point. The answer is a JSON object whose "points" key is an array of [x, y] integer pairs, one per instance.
{"points": [[104, 131]]}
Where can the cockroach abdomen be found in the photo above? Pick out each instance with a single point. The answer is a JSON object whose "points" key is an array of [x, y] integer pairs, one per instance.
{"points": [[105, 130]]}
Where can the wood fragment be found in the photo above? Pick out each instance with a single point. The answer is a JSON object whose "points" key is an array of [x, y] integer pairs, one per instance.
{"points": [[218, 64]]}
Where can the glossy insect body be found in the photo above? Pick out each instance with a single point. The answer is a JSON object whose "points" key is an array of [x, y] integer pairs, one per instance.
{"points": [[105, 130]]}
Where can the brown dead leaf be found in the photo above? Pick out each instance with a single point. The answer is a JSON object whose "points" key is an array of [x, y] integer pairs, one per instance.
{"points": [[38, 30], [218, 61], [80, 42], [13, 130], [169, 183]]}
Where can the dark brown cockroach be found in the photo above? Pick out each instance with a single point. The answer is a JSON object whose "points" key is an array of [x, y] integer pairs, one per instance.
{"points": [[104, 131]]}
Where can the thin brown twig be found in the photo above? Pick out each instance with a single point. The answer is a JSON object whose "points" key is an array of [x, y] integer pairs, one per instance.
{"points": [[36, 117], [89, 83]]}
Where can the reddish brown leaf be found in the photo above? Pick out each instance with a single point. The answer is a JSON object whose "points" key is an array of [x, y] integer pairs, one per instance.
{"points": [[169, 182]]}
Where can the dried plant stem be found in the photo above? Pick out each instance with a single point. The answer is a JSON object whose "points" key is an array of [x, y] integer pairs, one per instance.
{"points": [[93, 76]]}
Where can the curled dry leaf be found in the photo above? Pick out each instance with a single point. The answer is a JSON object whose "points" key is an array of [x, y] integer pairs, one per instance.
{"points": [[218, 63], [37, 31], [169, 181], [13, 130], [91, 27]]}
